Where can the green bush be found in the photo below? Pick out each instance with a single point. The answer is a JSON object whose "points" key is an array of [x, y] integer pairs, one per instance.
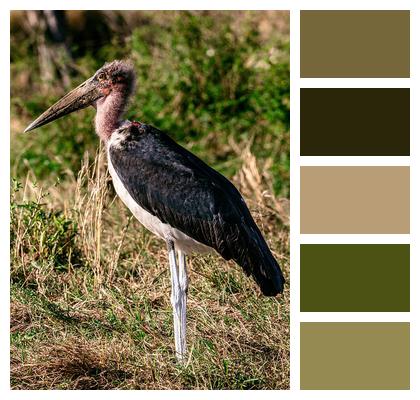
{"points": [[199, 79], [40, 235]]}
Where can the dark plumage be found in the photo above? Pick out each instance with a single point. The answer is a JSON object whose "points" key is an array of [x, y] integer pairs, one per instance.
{"points": [[181, 190]]}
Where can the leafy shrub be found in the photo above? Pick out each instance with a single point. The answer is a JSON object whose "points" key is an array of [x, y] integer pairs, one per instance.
{"points": [[201, 78], [41, 236]]}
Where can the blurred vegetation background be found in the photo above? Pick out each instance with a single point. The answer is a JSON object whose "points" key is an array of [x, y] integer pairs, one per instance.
{"points": [[209, 79], [90, 287]]}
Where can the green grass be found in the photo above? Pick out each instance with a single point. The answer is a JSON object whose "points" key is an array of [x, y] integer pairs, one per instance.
{"points": [[90, 288], [93, 322]]}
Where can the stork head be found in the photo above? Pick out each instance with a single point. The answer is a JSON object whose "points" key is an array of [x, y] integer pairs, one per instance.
{"points": [[116, 77]]}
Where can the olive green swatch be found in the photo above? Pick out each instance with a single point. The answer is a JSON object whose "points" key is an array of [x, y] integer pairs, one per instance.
{"points": [[355, 122], [355, 355], [355, 44], [355, 199], [354, 277]]}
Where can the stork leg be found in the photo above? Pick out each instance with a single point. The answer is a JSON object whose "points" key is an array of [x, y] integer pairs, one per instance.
{"points": [[183, 285], [178, 301]]}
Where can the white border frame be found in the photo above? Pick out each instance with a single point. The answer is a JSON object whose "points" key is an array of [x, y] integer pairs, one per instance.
{"points": [[296, 82]]}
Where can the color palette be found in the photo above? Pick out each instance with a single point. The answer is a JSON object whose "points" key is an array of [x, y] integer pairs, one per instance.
{"points": [[355, 199], [348, 192], [355, 122], [343, 355], [355, 44], [354, 277]]}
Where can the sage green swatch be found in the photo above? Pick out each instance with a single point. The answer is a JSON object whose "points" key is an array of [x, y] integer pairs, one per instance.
{"points": [[355, 355]]}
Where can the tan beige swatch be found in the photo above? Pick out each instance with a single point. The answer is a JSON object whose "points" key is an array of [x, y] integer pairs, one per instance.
{"points": [[355, 200]]}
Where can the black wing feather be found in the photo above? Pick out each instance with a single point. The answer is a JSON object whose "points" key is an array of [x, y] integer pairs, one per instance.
{"points": [[181, 190]]}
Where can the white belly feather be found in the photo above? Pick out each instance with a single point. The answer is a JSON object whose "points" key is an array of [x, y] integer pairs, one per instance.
{"points": [[182, 241]]}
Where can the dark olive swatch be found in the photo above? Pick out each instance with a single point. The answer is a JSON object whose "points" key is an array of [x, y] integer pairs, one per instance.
{"points": [[355, 44], [354, 277], [355, 122], [355, 355]]}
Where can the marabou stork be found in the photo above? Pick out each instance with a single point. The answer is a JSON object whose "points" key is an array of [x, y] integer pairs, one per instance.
{"points": [[169, 190]]}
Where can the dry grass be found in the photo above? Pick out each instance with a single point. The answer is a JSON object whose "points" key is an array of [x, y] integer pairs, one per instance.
{"points": [[101, 318]]}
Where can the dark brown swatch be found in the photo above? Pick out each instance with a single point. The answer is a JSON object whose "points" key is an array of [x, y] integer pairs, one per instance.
{"points": [[362, 44], [355, 355], [354, 277], [355, 122], [355, 200]]}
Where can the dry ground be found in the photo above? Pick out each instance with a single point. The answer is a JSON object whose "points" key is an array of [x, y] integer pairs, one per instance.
{"points": [[90, 301]]}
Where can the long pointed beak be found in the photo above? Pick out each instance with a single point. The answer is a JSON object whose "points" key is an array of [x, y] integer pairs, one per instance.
{"points": [[80, 97]]}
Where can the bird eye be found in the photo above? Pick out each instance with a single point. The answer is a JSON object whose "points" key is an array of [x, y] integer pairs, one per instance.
{"points": [[102, 76]]}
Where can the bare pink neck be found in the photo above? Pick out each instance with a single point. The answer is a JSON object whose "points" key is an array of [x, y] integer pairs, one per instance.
{"points": [[109, 112]]}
